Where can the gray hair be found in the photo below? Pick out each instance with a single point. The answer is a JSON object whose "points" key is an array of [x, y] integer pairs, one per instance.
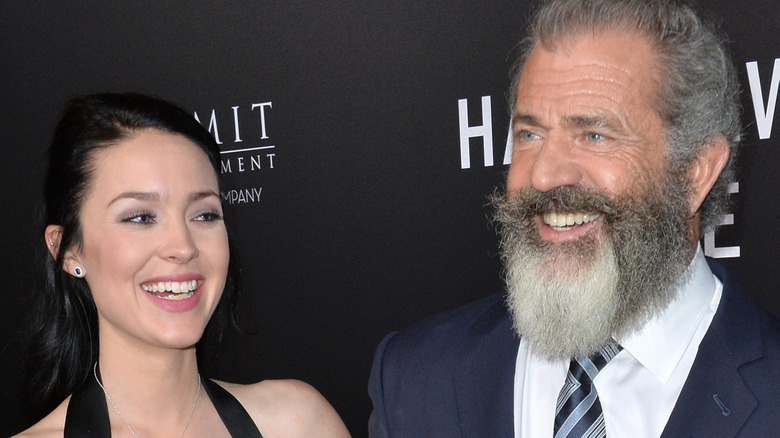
{"points": [[698, 91]]}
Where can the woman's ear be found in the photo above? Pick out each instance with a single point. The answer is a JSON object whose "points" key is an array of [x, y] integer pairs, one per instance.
{"points": [[705, 169], [71, 262], [53, 236]]}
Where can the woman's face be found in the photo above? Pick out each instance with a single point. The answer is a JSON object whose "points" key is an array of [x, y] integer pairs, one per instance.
{"points": [[155, 248]]}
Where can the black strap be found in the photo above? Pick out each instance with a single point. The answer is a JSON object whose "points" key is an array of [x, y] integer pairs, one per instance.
{"points": [[233, 415], [87, 412], [87, 415]]}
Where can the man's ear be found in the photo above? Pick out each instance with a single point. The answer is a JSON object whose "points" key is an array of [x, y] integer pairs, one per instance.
{"points": [[71, 260], [705, 169]]}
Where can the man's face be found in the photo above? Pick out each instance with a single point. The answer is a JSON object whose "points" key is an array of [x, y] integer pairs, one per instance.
{"points": [[583, 117], [594, 224]]}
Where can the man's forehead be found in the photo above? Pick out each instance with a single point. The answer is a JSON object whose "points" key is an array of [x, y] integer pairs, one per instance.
{"points": [[617, 47], [606, 67]]}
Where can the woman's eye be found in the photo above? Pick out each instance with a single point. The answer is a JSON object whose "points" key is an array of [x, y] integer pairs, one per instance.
{"points": [[209, 216], [140, 218], [592, 136]]}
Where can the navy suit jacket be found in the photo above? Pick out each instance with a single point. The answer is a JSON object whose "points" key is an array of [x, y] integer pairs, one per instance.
{"points": [[452, 375]]}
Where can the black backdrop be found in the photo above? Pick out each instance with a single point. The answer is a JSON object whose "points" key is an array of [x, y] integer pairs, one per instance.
{"points": [[353, 212]]}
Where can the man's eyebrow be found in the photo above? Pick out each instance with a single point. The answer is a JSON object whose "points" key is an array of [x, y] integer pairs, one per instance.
{"points": [[525, 119], [591, 121], [580, 121]]}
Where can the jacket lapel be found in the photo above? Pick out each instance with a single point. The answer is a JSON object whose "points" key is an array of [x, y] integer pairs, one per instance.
{"points": [[484, 382], [715, 401]]}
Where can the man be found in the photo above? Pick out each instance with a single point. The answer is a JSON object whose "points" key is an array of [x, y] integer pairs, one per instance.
{"points": [[625, 118]]}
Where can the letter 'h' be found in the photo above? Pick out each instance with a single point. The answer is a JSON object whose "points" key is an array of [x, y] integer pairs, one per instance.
{"points": [[467, 132]]}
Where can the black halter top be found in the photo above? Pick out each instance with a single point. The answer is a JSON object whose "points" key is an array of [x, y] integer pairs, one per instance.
{"points": [[88, 413]]}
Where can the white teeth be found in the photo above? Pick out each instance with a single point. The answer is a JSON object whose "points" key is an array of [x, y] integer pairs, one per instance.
{"points": [[183, 288], [561, 221], [176, 297]]}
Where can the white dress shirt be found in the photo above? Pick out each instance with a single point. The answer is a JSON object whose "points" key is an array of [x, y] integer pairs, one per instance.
{"points": [[639, 387]]}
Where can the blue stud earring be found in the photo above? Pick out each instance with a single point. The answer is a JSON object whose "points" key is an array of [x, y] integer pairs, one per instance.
{"points": [[78, 271]]}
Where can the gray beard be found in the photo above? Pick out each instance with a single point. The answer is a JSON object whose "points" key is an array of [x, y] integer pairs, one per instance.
{"points": [[568, 299]]}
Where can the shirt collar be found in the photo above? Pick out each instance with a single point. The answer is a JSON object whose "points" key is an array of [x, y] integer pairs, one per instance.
{"points": [[662, 341]]}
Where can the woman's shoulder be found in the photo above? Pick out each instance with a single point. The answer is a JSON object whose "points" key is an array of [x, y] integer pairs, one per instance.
{"points": [[288, 408], [51, 425]]}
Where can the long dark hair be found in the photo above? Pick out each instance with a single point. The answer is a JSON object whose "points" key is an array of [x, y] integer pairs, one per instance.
{"points": [[64, 341]]}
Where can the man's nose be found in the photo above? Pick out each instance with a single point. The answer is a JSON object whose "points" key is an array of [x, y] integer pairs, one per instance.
{"points": [[554, 165]]}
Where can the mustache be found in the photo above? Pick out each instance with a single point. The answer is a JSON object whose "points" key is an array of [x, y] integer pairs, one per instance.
{"points": [[529, 201]]}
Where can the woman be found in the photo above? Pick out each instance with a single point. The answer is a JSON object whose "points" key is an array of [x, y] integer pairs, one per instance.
{"points": [[138, 259]]}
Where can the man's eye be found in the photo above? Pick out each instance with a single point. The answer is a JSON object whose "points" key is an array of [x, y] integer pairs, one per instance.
{"points": [[527, 136], [592, 136]]}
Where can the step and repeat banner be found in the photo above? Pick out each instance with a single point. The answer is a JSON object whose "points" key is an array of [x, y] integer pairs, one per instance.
{"points": [[360, 141]]}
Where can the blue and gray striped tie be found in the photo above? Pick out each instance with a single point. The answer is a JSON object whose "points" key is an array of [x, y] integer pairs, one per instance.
{"points": [[578, 411]]}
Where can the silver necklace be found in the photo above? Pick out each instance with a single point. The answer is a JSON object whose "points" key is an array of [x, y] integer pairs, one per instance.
{"points": [[186, 425]]}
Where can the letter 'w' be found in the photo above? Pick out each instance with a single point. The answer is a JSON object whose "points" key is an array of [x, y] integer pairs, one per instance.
{"points": [[764, 117]]}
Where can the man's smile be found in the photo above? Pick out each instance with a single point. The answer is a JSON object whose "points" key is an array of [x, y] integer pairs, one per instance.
{"points": [[566, 226], [565, 221]]}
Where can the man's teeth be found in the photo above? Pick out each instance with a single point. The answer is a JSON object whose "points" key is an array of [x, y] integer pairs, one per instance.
{"points": [[564, 220], [175, 287]]}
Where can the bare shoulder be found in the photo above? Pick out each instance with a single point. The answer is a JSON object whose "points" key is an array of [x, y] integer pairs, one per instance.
{"points": [[52, 425], [288, 408]]}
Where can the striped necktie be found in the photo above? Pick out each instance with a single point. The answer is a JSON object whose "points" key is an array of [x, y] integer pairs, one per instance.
{"points": [[578, 411]]}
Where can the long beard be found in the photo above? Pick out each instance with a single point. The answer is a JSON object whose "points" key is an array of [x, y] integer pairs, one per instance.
{"points": [[568, 299]]}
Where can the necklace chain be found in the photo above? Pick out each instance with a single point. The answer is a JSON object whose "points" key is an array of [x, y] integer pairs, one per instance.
{"points": [[186, 425]]}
